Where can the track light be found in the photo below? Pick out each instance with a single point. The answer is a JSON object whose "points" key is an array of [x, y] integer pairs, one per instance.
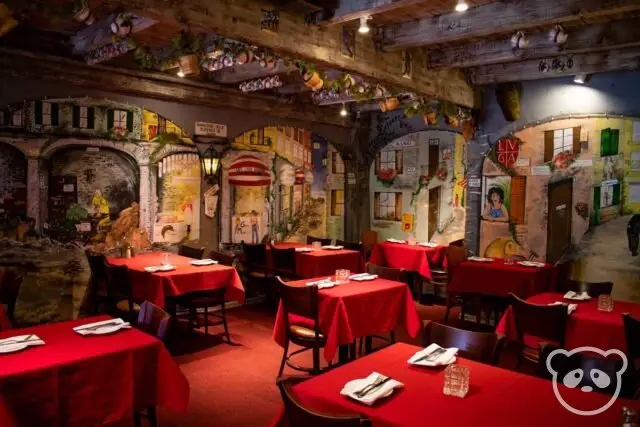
{"points": [[462, 6], [180, 73], [581, 78], [364, 27], [343, 111]]}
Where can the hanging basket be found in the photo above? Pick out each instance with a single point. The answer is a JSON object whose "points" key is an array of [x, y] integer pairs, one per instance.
{"points": [[389, 104], [508, 96], [189, 65], [430, 118], [312, 80]]}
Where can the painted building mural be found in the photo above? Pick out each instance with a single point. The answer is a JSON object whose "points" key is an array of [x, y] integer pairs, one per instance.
{"points": [[278, 182], [420, 176]]}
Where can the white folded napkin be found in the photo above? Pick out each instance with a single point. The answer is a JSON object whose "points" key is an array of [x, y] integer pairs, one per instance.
{"points": [[352, 387], [446, 358], [324, 283], [584, 296], [365, 277], [570, 307], [479, 259], [531, 264], [333, 247], [94, 328], [396, 240], [22, 339], [427, 244], [304, 249], [206, 261], [356, 276], [156, 268]]}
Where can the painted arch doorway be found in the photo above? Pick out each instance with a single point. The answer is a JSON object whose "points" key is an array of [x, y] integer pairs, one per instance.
{"points": [[559, 218]]}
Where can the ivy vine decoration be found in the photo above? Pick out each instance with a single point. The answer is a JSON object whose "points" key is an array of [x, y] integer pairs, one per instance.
{"points": [[425, 180], [425, 108]]}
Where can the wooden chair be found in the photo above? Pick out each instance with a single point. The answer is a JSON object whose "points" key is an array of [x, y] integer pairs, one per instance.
{"points": [[632, 339], [324, 242], [284, 262], [300, 415], [191, 252], [10, 283], [120, 293], [594, 289], [301, 301], [351, 245], [204, 300], [479, 346], [223, 258], [369, 240], [97, 291], [153, 320], [455, 256], [545, 322], [459, 243], [388, 273], [257, 272]]}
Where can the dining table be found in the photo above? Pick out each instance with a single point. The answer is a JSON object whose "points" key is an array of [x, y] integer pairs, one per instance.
{"points": [[499, 277], [416, 258], [95, 380], [183, 279], [586, 326], [355, 310], [497, 397], [322, 261]]}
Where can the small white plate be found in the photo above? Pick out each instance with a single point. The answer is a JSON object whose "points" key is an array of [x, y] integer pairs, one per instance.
{"points": [[12, 348], [333, 248], [479, 259], [365, 278], [200, 262], [531, 264]]}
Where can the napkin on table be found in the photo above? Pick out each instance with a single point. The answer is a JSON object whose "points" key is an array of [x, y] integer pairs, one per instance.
{"points": [[427, 244], [584, 296], [391, 240], [324, 283], [352, 387], [156, 268], [206, 261], [570, 307], [444, 359], [30, 339], [90, 328]]}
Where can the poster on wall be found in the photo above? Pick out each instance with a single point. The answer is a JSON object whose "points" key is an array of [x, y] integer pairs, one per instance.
{"points": [[497, 191], [245, 229], [407, 222]]}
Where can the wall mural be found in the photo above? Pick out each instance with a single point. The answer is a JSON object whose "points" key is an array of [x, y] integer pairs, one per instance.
{"points": [[569, 188], [421, 176], [283, 183]]}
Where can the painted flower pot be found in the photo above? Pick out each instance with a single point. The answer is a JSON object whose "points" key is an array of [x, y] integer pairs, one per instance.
{"points": [[452, 121], [430, 118], [84, 16], [389, 104], [244, 57], [313, 81], [7, 23], [190, 65]]}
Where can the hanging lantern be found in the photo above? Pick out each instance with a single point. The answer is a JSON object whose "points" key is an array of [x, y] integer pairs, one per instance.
{"points": [[210, 161]]}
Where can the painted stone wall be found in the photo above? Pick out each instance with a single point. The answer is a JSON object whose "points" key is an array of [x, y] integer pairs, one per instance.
{"points": [[403, 176], [13, 181]]}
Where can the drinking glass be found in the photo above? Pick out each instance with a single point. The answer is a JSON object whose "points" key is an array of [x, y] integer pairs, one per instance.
{"points": [[165, 259], [411, 240], [342, 276], [508, 261], [605, 303], [316, 245], [456, 380]]}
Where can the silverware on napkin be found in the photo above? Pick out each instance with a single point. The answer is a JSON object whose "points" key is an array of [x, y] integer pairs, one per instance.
{"points": [[433, 356], [27, 339], [94, 327], [379, 382]]}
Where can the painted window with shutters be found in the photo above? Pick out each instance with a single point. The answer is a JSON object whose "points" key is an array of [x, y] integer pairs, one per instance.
{"points": [[83, 117], [337, 202], [387, 206], [337, 165], [609, 194], [17, 117], [120, 119], [389, 160], [609, 142], [46, 113], [285, 202], [561, 140]]}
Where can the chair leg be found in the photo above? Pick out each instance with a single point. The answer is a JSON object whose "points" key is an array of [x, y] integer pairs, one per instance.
{"points": [[153, 419], [206, 320], [137, 419], [192, 315], [316, 360], [446, 312], [223, 311], [284, 358], [392, 337]]}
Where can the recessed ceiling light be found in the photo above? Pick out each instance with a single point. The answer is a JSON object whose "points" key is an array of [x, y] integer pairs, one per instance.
{"points": [[581, 79], [343, 111], [364, 27], [462, 6]]}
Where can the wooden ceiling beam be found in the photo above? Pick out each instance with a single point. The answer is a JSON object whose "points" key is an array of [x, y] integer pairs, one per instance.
{"points": [[589, 63], [350, 10], [499, 18], [592, 38], [17, 63], [240, 20]]}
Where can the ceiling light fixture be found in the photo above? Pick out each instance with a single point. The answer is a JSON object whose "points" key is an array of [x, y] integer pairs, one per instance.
{"points": [[180, 73], [581, 78], [519, 40], [558, 35], [343, 111], [364, 27], [462, 6]]}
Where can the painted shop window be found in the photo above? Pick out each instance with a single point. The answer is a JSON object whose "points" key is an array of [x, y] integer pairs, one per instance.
{"points": [[561, 140], [609, 195], [17, 117], [609, 141], [46, 113], [387, 206], [389, 160], [337, 202], [434, 158], [285, 202], [83, 117], [337, 165], [120, 119]]}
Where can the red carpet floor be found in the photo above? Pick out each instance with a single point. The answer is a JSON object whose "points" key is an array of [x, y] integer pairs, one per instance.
{"points": [[234, 385]]}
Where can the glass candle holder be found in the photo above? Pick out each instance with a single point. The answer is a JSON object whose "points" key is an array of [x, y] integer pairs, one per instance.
{"points": [[411, 240], [165, 259], [605, 303], [456, 380], [342, 276], [508, 261], [316, 245]]}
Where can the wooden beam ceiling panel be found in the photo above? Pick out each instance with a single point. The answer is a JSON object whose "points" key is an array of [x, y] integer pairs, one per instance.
{"points": [[589, 63], [499, 18], [240, 20], [350, 10], [17, 63], [593, 38]]}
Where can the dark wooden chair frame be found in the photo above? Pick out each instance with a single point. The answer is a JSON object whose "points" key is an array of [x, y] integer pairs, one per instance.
{"points": [[479, 346], [191, 252], [323, 241], [594, 289]]}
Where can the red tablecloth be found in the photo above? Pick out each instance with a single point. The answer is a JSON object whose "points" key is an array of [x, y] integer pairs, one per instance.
{"points": [[585, 327], [323, 262], [410, 257], [88, 381], [5, 323], [358, 309], [184, 279], [497, 397], [498, 278]]}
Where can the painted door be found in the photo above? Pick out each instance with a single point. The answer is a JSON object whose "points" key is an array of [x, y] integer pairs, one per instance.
{"points": [[434, 210], [559, 219]]}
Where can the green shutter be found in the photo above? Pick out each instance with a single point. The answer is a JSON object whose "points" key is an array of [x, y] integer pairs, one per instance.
{"points": [[75, 118], [129, 121], [37, 112], [109, 119], [91, 118], [55, 114], [615, 140], [605, 142], [616, 194], [596, 205]]}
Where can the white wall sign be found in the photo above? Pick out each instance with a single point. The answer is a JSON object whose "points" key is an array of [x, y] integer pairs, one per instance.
{"points": [[402, 143], [211, 129], [635, 161], [540, 170], [582, 163], [523, 161], [68, 188], [475, 182], [93, 150]]}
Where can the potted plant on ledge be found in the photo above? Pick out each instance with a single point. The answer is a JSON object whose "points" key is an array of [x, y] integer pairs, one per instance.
{"points": [[186, 51]]}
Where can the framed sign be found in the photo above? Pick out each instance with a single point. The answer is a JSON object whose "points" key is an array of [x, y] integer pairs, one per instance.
{"points": [[211, 129]]}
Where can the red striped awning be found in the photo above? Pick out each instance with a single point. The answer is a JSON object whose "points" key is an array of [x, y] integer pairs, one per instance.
{"points": [[299, 176], [249, 171]]}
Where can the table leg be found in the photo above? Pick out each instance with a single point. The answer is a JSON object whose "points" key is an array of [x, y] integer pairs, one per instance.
{"points": [[343, 353], [368, 345]]}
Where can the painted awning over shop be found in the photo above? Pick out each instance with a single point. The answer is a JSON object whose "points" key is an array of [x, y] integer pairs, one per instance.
{"points": [[249, 171]]}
